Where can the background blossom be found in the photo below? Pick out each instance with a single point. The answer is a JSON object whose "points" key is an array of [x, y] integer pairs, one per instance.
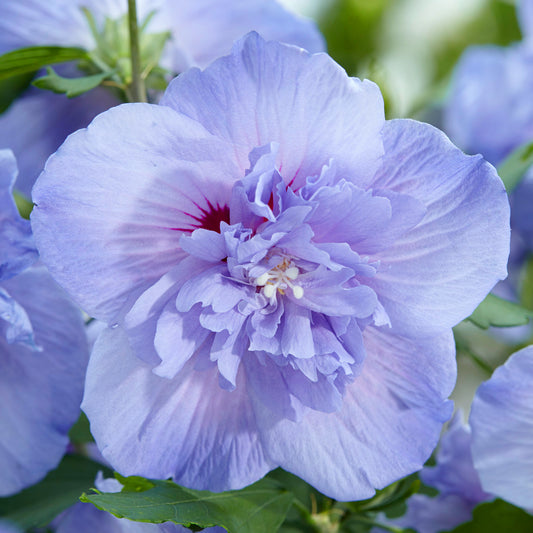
{"points": [[43, 353], [502, 430], [457, 481]]}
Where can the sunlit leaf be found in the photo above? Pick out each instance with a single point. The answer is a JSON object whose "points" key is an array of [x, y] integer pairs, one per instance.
{"points": [[24, 205], [515, 166], [31, 59], [259, 508], [70, 86], [497, 312]]}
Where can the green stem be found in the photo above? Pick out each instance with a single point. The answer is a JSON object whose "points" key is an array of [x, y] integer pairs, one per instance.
{"points": [[138, 91], [306, 515]]}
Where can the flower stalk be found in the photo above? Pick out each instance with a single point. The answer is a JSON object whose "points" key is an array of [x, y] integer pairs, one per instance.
{"points": [[138, 91]]}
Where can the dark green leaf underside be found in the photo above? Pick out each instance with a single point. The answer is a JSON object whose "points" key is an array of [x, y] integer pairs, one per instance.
{"points": [[497, 517]]}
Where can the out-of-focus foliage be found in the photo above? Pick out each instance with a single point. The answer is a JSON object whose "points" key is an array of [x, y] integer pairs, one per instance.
{"points": [[497, 312], [392, 42], [512, 170], [496, 517], [38, 505], [353, 31]]}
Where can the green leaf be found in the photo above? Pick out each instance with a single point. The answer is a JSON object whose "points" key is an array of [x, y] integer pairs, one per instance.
{"points": [[390, 497], [31, 59], [526, 296], [24, 205], [80, 432], [515, 166], [12, 88], [70, 86], [497, 517], [152, 45], [495, 311], [259, 508], [61, 488]]}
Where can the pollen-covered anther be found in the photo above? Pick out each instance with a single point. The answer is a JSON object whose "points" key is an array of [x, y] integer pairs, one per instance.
{"points": [[279, 279]]}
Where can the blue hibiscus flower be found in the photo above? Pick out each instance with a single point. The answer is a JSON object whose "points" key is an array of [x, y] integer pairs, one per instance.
{"points": [[280, 269]]}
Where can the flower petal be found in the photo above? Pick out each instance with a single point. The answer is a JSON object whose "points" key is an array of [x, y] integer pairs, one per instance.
{"points": [[398, 402], [474, 119], [17, 250], [187, 428], [502, 430], [525, 17], [436, 274], [136, 196], [40, 391], [36, 23], [267, 92]]}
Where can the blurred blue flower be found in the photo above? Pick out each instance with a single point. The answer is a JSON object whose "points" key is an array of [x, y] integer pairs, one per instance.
{"points": [[457, 481], [280, 268], [6, 527], [200, 31], [502, 430], [43, 353], [490, 111]]}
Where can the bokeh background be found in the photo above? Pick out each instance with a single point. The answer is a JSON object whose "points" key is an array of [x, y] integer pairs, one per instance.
{"points": [[408, 47]]}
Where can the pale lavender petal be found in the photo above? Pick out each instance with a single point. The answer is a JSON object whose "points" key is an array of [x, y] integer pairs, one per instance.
{"points": [[208, 435], [525, 17], [40, 391], [7, 527], [16, 327], [297, 337], [502, 430], [433, 515], [141, 321], [270, 390], [522, 216], [36, 23], [212, 288], [349, 214], [454, 472], [177, 337], [398, 402], [477, 121], [433, 276], [155, 199], [265, 92], [17, 250]]}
